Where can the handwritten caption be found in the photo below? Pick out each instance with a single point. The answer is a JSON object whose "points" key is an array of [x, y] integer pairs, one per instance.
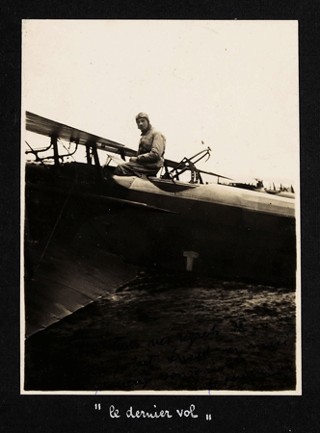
{"points": [[154, 413]]}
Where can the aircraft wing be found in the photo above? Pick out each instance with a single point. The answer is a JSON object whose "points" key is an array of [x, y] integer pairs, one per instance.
{"points": [[50, 128], [54, 291]]}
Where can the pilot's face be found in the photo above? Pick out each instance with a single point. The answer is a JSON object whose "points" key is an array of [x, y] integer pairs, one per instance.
{"points": [[142, 124]]}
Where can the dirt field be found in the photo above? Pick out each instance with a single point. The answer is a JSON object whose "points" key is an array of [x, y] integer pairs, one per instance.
{"points": [[168, 332]]}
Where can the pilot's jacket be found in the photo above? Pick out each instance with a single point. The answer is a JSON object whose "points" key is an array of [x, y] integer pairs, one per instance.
{"points": [[149, 156], [151, 148]]}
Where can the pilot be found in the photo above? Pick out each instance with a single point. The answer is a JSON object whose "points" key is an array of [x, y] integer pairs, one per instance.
{"points": [[150, 154]]}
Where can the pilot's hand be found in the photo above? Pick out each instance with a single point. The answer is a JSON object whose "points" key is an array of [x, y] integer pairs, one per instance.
{"points": [[133, 159]]}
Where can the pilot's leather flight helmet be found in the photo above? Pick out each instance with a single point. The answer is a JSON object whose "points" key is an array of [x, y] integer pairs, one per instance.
{"points": [[142, 116]]}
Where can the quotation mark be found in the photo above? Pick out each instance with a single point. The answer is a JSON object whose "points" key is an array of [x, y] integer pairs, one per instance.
{"points": [[97, 406], [208, 417]]}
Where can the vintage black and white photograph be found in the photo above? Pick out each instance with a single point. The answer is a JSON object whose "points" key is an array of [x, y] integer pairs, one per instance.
{"points": [[160, 207]]}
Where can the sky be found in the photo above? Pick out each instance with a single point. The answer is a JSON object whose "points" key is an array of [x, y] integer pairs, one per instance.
{"points": [[232, 85]]}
